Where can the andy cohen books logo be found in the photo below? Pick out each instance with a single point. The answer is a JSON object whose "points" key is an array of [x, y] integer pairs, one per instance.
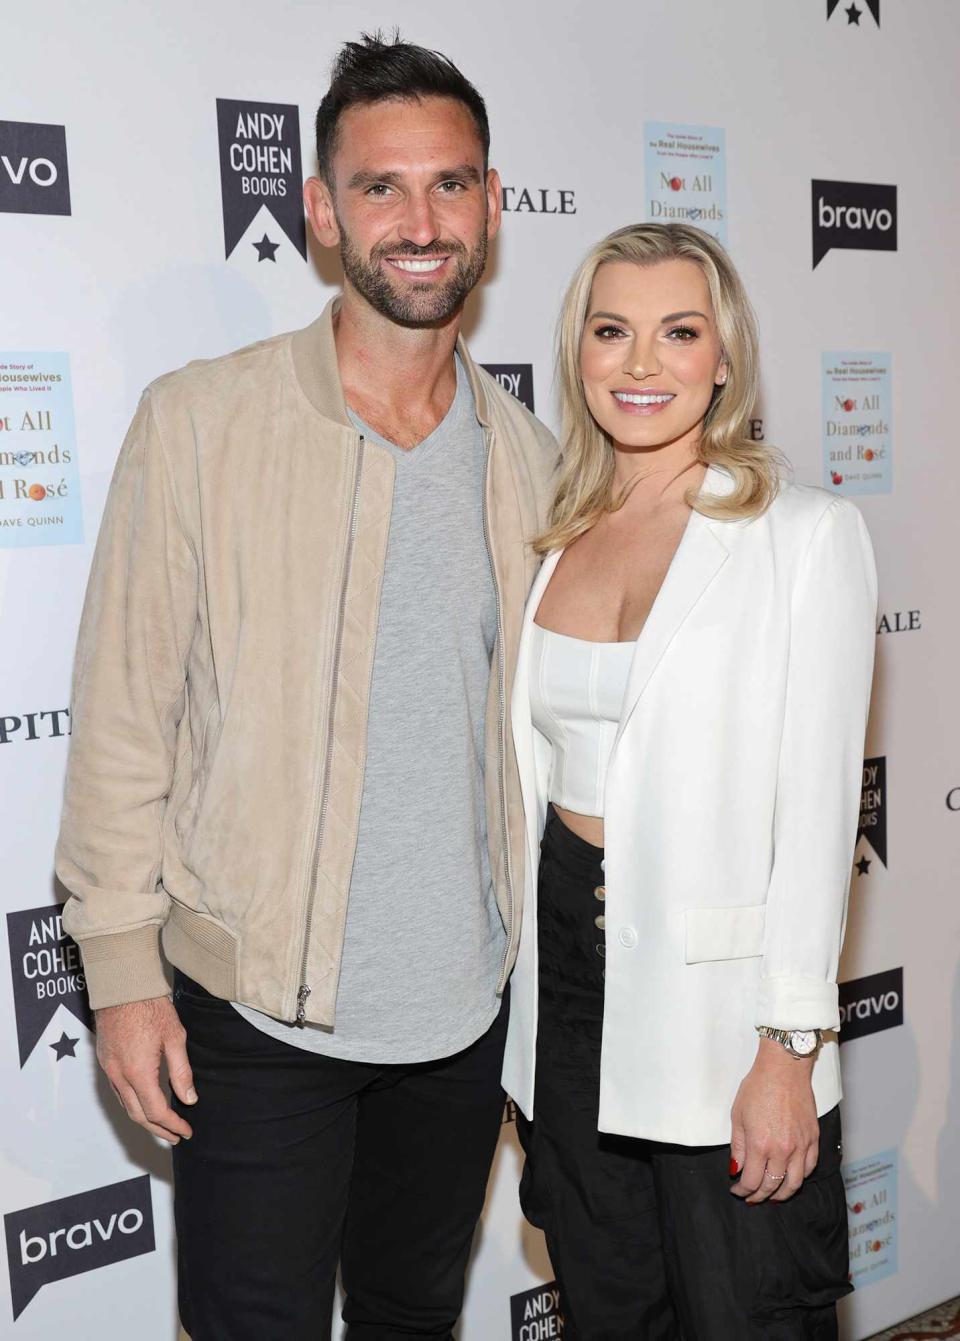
{"points": [[46, 972], [66, 1237], [260, 166], [854, 13], [33, 168], [535, 1314], [873, 812], [870, 1004], [853, 216], [517, 378]]}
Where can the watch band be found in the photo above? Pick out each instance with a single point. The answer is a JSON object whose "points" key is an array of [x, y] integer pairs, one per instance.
{"points": [[798, 1042]]}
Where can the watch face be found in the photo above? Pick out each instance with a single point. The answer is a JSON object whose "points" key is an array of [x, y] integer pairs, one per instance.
{"points": [[804, 1041]]}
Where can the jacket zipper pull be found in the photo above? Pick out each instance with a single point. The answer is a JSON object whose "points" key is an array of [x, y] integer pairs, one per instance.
{"points": [[302, 995]]}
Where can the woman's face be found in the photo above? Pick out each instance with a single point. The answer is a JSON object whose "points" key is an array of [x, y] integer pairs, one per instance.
{"points": [[650, 353]]}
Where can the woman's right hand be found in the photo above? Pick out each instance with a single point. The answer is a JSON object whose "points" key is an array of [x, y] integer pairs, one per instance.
{"points": [[775, 1133]]}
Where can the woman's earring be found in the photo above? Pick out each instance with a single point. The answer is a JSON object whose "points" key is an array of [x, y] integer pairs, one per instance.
{"points": [[722, 379]]}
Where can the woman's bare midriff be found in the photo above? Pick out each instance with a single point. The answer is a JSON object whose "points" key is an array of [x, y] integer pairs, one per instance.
{"points": [[588, 827]]}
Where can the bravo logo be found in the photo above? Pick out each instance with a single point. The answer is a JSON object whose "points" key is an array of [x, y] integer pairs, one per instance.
{"points": [[535, 1314], [33, 169], [64, 1238], [853, 216], [870, 1004]]}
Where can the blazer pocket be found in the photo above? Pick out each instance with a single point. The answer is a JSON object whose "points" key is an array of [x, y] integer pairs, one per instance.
{"points": [[724, 933]]}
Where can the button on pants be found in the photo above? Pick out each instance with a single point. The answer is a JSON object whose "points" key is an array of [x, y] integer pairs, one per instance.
{"points": [[298, 1161], [646, 1239]]}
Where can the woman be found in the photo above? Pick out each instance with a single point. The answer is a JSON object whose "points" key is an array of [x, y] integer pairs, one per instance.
{"points": [[689, 716]]}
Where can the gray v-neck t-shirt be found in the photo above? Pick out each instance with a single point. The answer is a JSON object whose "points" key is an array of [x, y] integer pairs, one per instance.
{"points": [[424, 938]]}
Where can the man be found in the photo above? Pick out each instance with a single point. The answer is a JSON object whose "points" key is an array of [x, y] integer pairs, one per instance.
{"points": [[290, 756]]}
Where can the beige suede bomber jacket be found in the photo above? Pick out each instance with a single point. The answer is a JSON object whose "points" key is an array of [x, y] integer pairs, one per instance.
{"points": [[222, 675]]}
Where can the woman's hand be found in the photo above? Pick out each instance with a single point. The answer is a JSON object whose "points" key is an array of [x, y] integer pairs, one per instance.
{"points": [[776, 1135]]}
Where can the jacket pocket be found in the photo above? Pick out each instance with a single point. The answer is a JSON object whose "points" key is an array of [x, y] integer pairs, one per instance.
{"points": [[186, 817], [724, 933]]}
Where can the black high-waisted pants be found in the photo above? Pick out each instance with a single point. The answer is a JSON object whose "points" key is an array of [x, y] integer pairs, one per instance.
{"points": [[646, 1239]]}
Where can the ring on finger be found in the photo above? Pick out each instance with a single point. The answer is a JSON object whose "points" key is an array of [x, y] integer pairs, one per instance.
{"points": [[777, 1177]]}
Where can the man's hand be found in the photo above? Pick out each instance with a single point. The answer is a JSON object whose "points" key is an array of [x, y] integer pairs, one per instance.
{"points": [[131, 1042], [776, 1135]]}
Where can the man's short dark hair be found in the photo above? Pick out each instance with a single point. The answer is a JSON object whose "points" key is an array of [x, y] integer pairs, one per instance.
{"points": [[375, 70]]}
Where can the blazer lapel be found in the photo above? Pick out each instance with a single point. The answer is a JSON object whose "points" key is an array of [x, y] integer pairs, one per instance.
{"points": [[699, 557], [520, 715], [702, 552]]}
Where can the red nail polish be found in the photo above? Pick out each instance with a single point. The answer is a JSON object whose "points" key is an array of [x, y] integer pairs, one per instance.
{"points": [[734, 1167]]}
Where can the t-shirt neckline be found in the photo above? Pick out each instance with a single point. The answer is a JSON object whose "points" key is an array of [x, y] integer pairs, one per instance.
{"points": [[446, 427]]}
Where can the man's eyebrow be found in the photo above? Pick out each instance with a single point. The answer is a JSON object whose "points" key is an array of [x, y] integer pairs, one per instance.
{"points": [[365, 177], [469, 171]]}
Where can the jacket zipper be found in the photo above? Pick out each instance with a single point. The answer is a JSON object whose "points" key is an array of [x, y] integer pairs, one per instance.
{"points": [[501, 715], [303, 991]]}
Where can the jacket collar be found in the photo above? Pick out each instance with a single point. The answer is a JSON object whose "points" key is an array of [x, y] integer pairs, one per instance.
{"points": [[703, 550], [315, 364], [718, 483], [701, 554]]}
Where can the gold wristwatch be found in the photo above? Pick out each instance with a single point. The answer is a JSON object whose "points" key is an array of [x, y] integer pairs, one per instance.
{"points": [[798, 1042]]}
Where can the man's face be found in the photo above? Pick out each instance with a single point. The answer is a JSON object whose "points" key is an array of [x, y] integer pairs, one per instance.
{"points": [[412, 207]]}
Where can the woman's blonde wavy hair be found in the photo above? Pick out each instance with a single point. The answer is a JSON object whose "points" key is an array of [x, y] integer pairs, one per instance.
{"points": [[585, 488]]}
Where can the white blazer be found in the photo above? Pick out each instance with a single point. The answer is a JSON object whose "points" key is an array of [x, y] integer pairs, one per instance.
{"points": [[730, 815]]}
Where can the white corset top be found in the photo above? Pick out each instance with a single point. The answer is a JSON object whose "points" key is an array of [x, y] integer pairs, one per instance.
{"points": [[576, 696]]}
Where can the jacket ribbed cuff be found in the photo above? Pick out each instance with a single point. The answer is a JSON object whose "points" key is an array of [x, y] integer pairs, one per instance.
{"points": [[123, 966], [789, 1002]]}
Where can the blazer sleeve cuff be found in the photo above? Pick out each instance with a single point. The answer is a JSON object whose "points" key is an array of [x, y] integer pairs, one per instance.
{"points": [[123, 966], [790, 1002]]}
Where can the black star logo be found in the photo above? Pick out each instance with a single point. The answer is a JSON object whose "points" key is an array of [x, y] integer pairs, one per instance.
{"points": [[863, 865], [266, 249], [64, 1047], [853, 14]]}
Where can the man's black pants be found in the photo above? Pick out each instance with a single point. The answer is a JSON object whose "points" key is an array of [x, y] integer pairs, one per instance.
{"points": [[299, 1161]]}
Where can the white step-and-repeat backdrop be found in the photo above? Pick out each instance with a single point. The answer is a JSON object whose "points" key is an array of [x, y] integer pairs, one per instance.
{"points": [[150, 170]]}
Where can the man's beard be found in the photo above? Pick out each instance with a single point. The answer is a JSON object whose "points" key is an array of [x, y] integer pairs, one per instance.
{"points": [[418, 305]]}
